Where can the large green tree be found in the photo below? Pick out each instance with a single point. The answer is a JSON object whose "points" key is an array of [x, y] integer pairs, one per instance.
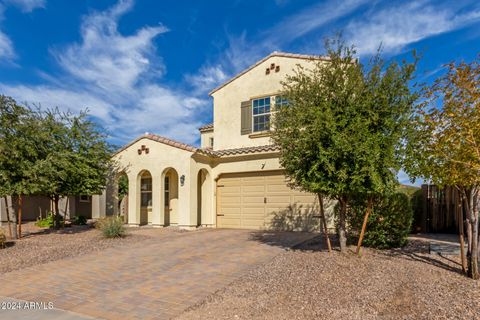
{"points": [[75, 156], [341, 130], [444, 143]]}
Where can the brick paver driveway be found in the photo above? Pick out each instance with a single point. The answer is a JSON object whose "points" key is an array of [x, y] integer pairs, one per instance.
{"points": [[154, 279]]}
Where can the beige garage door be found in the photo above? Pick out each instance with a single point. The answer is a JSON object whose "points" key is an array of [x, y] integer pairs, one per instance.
{"points": [[262, 200]]}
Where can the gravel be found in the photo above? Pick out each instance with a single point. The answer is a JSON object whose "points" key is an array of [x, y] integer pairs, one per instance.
{"points": [[308, 283], [40, 245]]}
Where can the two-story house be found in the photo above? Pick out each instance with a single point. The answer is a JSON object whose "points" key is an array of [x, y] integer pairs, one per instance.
{"points": [[234, 179]]}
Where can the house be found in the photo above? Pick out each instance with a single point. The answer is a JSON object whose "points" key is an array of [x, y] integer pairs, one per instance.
{"points": [[234, 179], [37, 207]]}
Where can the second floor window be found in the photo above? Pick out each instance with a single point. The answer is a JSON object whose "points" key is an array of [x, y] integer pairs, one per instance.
{"points": [[280, 101], [261, 114]]}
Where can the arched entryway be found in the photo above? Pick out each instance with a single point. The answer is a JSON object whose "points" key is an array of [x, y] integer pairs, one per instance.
{"points": [[170, 197], [204, 198], [122, 192], [145, 191]]}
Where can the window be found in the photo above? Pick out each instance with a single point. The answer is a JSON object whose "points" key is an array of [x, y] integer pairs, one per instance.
{"points": [[146, 192], [280, 101], [167, 191], [261, 114], [84, 198], [211, 142]]}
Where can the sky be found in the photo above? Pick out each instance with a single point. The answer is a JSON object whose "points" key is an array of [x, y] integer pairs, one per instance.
{"points": [[147, 66]]}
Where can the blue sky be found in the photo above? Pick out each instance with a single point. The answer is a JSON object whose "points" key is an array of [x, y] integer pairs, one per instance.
{"points": [[147, 66]]}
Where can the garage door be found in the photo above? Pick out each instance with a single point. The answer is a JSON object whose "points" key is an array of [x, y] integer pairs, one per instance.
{"points": [[262, 200]]}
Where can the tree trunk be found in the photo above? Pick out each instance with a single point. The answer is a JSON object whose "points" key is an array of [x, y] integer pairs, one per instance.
{"points": [[364, 226], [342, 236], [324, 222], [472, 214], [461, 234], [7, 210], [65, 212], [19, 216], [56, 218], [14, 217]]}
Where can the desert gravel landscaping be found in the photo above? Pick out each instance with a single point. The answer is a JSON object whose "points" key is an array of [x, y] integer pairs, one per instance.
{"points": [[309, 284], [41, 245]]}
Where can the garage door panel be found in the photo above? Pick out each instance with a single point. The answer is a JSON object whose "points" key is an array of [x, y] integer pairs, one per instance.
{"points": [[242, 200], [255, 200]]}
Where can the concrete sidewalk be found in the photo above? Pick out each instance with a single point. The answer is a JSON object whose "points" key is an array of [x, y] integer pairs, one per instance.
{"points": [[440, 243]]}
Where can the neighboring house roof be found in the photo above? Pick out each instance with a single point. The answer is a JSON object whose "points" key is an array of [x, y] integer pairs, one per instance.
{"points": [[207, 127], [273, 54], [167, 141], [239, 151]]}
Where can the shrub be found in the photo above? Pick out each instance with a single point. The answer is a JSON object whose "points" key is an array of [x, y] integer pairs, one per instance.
{"points": [[389, 222], [111, 227], [48, 221], [80, 220], [3, 239]]}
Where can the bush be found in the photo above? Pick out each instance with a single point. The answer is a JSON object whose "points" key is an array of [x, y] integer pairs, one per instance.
{"points": [[48, 221], [80, 220], [3, 239], [111, 227], [389, 222]]}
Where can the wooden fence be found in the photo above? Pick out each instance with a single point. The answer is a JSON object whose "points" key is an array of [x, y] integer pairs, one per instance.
{"points": [[441, 208]]}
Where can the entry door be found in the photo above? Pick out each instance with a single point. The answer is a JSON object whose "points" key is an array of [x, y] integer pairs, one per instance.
{"points": [[167, 200]]}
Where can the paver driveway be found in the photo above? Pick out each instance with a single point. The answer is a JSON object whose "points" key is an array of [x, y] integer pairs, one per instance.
{"points": [[154, 279]]}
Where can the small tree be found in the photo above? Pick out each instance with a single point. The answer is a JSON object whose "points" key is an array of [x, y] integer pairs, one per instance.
{"points": [[444, 143], [75, 157], [340, 133], [18, 154]]}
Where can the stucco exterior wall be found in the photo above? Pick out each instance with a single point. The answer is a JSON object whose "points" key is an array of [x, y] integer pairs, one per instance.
{"points": [[159, 158], [255, 83], [205, 139]]}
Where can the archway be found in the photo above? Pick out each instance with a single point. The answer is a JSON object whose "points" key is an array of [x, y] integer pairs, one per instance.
{"points": [[204, 198], [122, 196], [170, 196], [145, 191]]}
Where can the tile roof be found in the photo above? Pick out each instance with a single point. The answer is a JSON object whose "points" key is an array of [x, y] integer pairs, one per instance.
{"points": [[239, 151], [273, 54], [164, 140], [206, 127], [204, 151]]}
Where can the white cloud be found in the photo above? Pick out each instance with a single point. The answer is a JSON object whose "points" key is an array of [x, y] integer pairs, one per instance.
{"points": [[6, 48], [395, 27], [310, 19], [107, 59], [206, 78], [118, 78], [7, 53], [242, 52], [28, 5], [49, 96], [404, 178]]}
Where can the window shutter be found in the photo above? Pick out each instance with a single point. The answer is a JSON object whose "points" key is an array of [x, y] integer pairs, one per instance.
{"points": [[246, 115]]}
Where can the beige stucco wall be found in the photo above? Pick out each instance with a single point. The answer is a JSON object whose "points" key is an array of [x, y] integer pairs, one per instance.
{"points": [[252, 84], [205, 139], [198, 194], [157, 161]]}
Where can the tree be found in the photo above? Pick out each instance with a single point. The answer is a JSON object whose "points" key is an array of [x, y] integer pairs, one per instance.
{"points": [[444, 143], [75, 157], [340, 133], [18, 154]]}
